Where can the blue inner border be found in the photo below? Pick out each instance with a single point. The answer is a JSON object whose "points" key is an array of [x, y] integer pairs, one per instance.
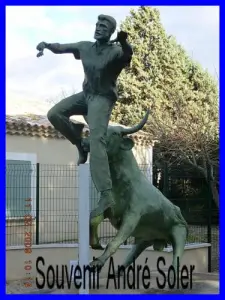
{"points": [[2, 122]]}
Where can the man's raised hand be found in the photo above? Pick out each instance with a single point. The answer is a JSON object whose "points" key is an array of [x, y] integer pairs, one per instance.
{"points": [[121, 37], [40, 53], [41, 46]]}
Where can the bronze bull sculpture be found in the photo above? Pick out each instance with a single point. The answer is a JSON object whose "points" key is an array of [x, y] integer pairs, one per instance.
{"points": [[141, 210]]}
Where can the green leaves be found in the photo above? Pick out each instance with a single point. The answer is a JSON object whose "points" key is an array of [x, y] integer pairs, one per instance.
{"points": [[161, 76], [182, 96]]}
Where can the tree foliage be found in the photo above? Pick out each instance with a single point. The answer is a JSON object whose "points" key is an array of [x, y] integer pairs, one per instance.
{"points": [[183, 97]]}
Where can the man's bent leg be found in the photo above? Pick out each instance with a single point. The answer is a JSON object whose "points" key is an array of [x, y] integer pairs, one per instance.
{"points": [[99, 111], [59, 116]]}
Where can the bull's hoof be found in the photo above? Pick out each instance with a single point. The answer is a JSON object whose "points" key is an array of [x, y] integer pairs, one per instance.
{"points": [[96, 265]]}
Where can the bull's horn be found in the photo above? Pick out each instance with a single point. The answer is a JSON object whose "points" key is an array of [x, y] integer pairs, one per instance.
{"points": [[136, 127]]}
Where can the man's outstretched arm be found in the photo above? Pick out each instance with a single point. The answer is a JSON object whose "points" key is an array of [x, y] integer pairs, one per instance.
{"points": [[58, 48]]}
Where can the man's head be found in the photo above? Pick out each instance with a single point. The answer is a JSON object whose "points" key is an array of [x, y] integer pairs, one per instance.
{"points": [[105, 27]]}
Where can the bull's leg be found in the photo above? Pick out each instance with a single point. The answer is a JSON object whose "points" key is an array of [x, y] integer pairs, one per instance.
{"points": [[135, 253], [179, 235], [94, 240], [129, 224]]}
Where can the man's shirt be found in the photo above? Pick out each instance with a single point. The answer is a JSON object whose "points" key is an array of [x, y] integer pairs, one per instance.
{"points": [[102, 65]]}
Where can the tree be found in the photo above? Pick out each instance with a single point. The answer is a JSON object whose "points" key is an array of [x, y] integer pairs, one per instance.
{"points": [[194, 141], [156, 63], [183, 97]]}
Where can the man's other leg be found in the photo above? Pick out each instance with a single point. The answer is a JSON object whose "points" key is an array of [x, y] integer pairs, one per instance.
{"points": [[99, 111], [59, 116]]}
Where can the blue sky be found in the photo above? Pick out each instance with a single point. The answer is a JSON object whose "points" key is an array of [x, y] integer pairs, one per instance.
{"points": [[32, 81]]}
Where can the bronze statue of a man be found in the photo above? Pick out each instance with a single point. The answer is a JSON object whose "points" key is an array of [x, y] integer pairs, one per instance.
{"points": [[102, 61]]}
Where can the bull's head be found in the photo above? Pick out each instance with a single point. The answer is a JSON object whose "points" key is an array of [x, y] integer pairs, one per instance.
{"points": [[117, 138]]}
